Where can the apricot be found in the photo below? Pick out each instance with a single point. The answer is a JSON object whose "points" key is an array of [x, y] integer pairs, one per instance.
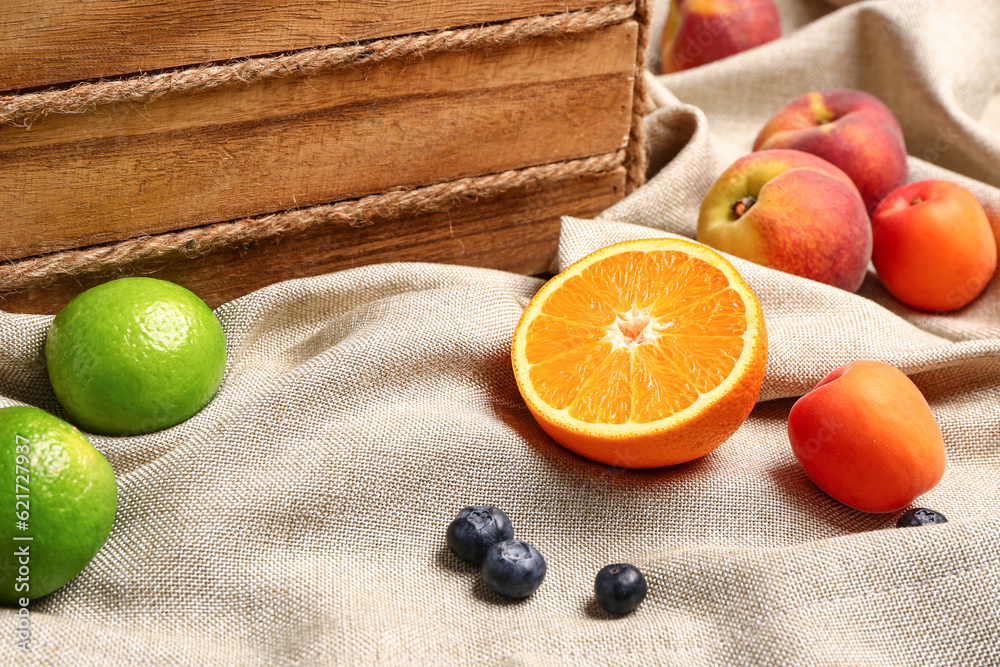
{"points": [[866, 436], [933, 247]]}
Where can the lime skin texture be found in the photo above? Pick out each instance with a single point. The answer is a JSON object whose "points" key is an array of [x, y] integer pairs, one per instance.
{"points": [[134, 356], [67, 502]]}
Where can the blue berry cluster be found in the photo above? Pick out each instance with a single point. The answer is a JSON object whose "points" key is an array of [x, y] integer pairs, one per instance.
{"points": [[484, 535]]}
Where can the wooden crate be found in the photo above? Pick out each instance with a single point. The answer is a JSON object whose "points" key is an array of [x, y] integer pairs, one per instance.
{"points": [[319, 135]]}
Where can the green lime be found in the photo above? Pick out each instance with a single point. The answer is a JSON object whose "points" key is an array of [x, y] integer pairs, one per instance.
{"points": [[58, 498], [135, 355]]}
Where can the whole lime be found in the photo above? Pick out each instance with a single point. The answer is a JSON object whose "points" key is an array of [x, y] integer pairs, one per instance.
{"points": [[135, 355], [58, 498]]}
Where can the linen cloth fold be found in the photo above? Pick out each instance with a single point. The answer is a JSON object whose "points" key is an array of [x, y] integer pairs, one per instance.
{"points": [[300, 518]]}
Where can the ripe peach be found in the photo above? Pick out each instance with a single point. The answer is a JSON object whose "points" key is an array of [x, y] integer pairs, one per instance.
{"points": [[849, 128], [866, 436], [703, 31], [793, 212], [932, 245]]}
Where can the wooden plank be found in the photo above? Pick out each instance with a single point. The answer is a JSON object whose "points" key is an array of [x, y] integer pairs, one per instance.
{"points": [[188, 160], [49, 41], [515, 232]]}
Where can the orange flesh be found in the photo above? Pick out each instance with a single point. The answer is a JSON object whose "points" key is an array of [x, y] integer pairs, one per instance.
{"points": [[635, 337]]}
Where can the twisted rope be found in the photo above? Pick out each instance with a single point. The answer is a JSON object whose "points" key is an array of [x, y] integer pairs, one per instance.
{"points": [[39, 271], [25, 110]]}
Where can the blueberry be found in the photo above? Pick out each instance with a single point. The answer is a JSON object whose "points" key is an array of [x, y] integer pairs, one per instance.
{"points": [[476, 529], [920, 516], [513, 568], [620, 588]]}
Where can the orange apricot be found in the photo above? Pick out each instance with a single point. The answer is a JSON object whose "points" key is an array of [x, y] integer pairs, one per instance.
{"points": [[867, 437], [932, 245]]}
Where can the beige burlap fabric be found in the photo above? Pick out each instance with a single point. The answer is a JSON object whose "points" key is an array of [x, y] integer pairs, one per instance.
{"points": [[300, 518]]}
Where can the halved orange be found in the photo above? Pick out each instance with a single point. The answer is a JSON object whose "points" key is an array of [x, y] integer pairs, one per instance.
{"points": [[643, 354]]}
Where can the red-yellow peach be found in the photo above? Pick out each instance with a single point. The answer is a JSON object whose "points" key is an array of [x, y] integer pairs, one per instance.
{"points": [[703, 31], [791, 211], [933, 247], [849, 128], [866, 436]]}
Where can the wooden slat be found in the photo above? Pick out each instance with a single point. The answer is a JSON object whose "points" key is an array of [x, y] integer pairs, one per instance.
{"points": [[50, 41], [516, 232], [187, 160]]}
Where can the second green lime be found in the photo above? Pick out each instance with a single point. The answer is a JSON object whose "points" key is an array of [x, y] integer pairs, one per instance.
{"points": [[59, 498], [135, 355]]}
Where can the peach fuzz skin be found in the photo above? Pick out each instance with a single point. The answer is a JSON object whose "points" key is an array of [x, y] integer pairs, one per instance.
{"points": [[806, 218], [849, 128], [933, 246], [866, 436], [699, 32]]}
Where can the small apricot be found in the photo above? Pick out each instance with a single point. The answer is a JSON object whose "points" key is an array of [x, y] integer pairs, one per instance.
{"points": [[866, 436], [932, 245]]}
